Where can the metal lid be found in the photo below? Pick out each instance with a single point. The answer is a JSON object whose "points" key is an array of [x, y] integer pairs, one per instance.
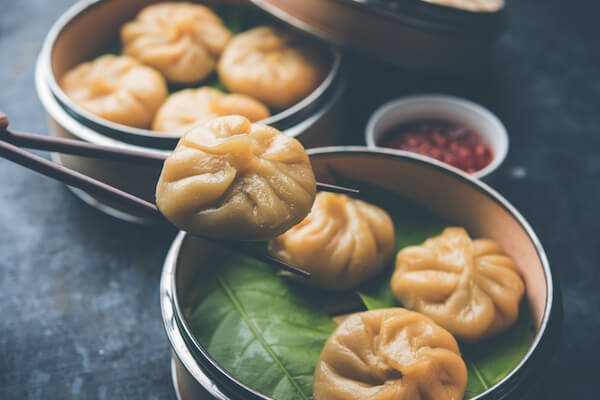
{"points": [[409, 33]]}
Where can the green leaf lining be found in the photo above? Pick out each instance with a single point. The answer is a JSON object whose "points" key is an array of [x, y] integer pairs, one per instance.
{"points": [[373, 303], [292, 324], [492, 359], [260, 327]]}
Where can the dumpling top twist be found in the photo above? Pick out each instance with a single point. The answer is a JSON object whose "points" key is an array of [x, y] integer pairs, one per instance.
{"points": [[341, 242], [233, 179], [116, 88], [188, 107], [274, 66], [181, 40], [470, 287], [390, 354]]}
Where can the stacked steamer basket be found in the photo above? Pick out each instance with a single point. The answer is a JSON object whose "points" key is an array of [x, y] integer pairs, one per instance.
{"points": [[313, 120], [412, 34]]}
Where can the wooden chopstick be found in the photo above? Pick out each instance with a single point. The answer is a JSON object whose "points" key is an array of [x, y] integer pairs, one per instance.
{"points": [[95, 187], [80, 148], [73, 178]]}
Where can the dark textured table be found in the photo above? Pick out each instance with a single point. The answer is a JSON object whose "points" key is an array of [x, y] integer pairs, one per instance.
{"points": [[79, 300]]}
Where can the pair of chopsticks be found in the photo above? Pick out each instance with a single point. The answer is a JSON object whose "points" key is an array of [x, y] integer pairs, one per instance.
{"points": [[11, 143]]}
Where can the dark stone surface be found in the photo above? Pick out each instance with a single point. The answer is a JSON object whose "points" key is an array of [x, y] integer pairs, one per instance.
{"points": [[79, 290]]}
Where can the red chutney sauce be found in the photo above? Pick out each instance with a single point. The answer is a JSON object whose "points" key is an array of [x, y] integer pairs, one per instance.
{"points": [[453, 144]]}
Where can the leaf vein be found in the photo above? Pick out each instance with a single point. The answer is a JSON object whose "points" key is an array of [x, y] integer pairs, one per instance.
{"points": [[228, 290], [242, 352], [310, 328], [216, 329], [479, 375]]}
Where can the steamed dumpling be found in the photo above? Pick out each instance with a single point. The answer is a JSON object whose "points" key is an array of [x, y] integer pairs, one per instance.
{"points": [[342, 242], [470, 287], [390, 354], [188, 107], [181, 40], [232, 179], [274, 66], [116, 88]]}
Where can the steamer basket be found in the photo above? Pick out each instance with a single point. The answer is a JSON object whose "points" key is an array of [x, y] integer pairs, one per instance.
{"points": [[445, 190], [314, 120], [413, 34]]}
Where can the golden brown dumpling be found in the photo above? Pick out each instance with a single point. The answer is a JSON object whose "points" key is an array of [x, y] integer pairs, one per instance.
{"points": [[188, 107], [342, 241], [181, 40], [116, 88], [470, 287], [390, 354], [274, 66], [233, 179]]}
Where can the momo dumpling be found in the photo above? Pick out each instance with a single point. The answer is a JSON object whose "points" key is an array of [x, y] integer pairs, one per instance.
{"points": [[188, 107], [274, 66], [116, 88], [390, 354], [232, 179], [341, 242], [470, 287], [181, 40]]}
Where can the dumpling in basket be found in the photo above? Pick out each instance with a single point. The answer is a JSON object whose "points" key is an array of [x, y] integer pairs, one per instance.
{"points": [[274, 66], [181, 40], [470, 287], [188, 107], [342, 242], [390, 354], [232, 179], [116, 88]]}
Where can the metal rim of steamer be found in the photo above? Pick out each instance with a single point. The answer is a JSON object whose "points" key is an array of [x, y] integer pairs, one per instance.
{"points": [[220, 384], [283, 120]]}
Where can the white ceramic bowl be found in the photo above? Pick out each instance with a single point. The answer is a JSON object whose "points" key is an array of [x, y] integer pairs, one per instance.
{"points": [[448, 108]]}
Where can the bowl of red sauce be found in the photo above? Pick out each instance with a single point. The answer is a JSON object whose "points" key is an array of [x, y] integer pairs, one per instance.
{"points": [[455, 131]]}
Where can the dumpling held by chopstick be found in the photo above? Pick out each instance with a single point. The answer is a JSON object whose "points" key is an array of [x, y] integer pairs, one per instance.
{"points": [[233, 179]]}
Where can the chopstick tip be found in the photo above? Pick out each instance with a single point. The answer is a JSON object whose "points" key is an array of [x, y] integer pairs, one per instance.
{"points": [[335, 188], [287, 267], [3, 122], [301, 273]]}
